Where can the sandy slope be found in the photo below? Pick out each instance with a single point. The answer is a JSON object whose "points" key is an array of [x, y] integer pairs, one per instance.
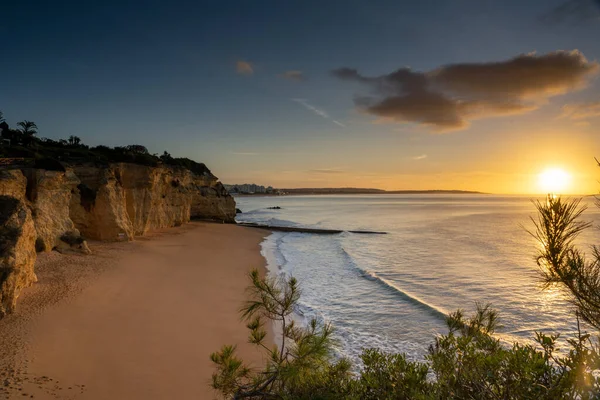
{"points": [[134, 320]]}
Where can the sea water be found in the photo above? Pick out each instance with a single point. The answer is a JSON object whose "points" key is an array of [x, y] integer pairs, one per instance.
{"points": [[440, 253]]}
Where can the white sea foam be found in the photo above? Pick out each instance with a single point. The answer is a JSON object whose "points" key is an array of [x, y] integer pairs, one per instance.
{"points": [[393, 291]]}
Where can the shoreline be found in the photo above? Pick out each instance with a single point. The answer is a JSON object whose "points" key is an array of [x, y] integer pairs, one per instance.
{"points": [[134, 319]]}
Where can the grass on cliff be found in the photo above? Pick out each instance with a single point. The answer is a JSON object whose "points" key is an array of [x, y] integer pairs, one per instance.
{"points": [[52, 154]]}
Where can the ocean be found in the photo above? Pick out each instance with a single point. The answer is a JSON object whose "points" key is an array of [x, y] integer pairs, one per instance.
{"points": [[441, 253]]}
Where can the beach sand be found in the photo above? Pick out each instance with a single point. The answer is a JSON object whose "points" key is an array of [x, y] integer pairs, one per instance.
{"points": [[134, 320]]}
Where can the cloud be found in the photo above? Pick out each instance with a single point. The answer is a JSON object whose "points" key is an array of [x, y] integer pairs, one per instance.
{"points": [[244, 153], [327, 171], [293, 75], [449, 97], [581, 110], [573, 11], [244, 67], [421, 157], [321, 113]]}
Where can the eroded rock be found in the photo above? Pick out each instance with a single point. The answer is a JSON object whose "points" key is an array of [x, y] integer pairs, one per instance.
{"points": [[12, 183], [49, 193], [17, 251], [98, 205]]}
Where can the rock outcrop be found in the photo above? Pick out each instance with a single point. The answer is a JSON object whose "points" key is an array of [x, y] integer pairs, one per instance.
{"points": [[12, 183], [49, 193], [156, 197], [44, 210], [98, 208], [17, 251], [115, 202], [211, 201], [123, 200]]}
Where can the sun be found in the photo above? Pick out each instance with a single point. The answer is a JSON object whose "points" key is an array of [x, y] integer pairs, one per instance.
{"points": [[554, 180]]}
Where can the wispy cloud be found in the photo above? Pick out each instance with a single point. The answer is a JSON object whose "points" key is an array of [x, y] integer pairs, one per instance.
{"points": [[314, 109], [244, 67], [573, 11], [421, 157], [581, 110], [293, 75], [327, 171], [244, 153]]}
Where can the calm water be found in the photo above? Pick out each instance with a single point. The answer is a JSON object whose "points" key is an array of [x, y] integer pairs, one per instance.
{"points": [[442, 252]]}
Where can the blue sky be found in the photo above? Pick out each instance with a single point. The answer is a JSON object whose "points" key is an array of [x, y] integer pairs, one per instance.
{"points": [[206, 80]]}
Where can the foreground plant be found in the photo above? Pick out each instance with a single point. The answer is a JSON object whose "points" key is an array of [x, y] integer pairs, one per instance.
{"points": [[466, 363], [300, 366]]}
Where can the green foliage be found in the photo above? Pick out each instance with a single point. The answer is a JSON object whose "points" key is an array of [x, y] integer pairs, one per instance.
{"points": [[301, 366], [562, 262], [468, 362], [474, 364], [49, 153], [390, 376]]}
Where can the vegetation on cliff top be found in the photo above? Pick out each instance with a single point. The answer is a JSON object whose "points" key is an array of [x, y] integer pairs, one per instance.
{"points": [[468, 362], [23, 146]]}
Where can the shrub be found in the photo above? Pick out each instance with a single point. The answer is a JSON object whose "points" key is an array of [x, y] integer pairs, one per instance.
{"points": [[466, 363]]}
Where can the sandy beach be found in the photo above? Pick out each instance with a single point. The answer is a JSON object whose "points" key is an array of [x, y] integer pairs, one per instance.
{"points": [[134, 320]]}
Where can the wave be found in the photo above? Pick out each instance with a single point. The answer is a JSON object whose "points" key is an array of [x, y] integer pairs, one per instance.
{"points": [[386, 283]]}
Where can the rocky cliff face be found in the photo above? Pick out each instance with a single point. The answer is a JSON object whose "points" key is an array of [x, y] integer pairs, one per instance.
{"points": [[49, 194], [98, 206], [43, 210], [212, 201], [17, 251], [127, 200]]}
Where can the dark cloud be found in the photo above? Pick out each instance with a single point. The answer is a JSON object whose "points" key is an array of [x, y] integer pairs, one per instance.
{"points": [[449, 97], [293, 75], [573, 11]]}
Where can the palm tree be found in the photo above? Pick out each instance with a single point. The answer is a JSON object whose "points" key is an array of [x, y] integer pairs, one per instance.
{"points": [[74, 140], [28, 131], [28, 128]]}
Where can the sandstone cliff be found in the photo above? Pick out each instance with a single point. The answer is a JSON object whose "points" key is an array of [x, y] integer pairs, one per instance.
{"points": [[44, 210], [17, 251], [123, 200], [114, 202]]}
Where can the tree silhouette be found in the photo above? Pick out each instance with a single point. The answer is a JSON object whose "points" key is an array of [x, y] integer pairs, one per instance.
{"points": [[166, 157], [28, 128], [74, 140], [1, 117], [28, 131], [137, 149]]}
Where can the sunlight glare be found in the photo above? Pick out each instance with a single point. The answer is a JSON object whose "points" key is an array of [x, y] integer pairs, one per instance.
{"points": [[554, 180]]}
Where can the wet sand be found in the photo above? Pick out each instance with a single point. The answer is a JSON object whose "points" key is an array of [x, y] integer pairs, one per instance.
{"points": [[134, 320]]}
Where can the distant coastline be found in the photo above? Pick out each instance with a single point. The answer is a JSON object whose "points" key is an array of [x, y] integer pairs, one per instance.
{"points": [[341, 191]]}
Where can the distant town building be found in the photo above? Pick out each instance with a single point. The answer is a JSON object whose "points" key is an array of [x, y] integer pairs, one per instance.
{"points": [[250, 188]]}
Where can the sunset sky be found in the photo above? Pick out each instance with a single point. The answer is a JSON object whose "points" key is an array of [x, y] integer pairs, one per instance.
{"points": [[463, 94]]}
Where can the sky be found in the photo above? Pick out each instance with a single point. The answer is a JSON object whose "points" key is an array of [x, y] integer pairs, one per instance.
{"points": [[451, 94]]}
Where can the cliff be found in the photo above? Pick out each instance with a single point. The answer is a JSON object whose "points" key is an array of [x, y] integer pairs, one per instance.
{"points": [[44, 210], [125, 200]]}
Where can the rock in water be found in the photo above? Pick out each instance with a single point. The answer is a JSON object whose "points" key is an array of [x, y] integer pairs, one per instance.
{"points": [[17, 251]]}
